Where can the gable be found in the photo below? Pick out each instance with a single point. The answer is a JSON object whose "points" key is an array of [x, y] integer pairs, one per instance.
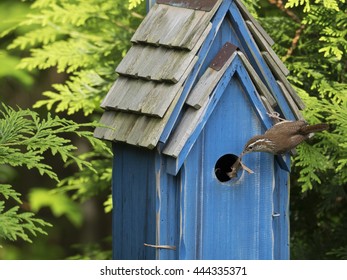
{"points": [[194, 120], [167, 72]]}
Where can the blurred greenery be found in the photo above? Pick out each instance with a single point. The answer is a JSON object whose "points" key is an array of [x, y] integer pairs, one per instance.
{"points": [[312, 42], [59, 56]]}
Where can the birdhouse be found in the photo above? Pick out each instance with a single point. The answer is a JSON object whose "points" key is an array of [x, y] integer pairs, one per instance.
{"points": [[197, 83]]}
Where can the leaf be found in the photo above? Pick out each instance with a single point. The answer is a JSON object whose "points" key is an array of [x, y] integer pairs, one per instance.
{"points": [[15, 225], [8, 192], [59, 203], [134, 3]]}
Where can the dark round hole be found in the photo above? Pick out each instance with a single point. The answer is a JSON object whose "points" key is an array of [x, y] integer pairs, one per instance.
{"points": [[223, 166]]}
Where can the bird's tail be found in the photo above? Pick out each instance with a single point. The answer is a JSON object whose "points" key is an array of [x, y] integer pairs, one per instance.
{"points": [[314, 128]]}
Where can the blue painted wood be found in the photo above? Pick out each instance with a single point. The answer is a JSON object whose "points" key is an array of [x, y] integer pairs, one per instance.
{"points": [[174, 166], [258, 107], [225, 33], [145, 205], [194, 75], [167, 212], [191, 190], [202, 217], [250, 92], [231, 221], [256, 59], [134, 202], [281, 214]]}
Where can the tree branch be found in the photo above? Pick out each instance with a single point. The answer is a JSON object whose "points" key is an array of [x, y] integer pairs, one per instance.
{"points": [[295, 41], [294, 17]]}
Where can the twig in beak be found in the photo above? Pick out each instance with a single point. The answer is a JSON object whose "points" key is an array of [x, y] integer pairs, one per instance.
{"points": [[244, 167]]}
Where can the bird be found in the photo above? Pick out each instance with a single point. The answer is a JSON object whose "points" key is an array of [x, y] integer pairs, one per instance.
{"points": [[283, 137]]}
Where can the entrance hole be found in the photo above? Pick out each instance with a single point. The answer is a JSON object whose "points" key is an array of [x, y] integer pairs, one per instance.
{"points": [[223, 166]]}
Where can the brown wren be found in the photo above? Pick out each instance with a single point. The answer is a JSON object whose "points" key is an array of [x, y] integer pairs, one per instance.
{"points": [[282, 137]]}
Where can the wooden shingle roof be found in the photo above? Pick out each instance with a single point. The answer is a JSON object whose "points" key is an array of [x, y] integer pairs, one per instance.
{"points": [[152, 74], [160, 73]]}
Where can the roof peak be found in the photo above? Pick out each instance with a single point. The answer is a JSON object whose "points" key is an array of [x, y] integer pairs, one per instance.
{"points": [[172, 49]]}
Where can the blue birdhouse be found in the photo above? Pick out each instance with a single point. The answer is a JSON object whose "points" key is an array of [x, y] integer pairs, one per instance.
{"points": [[197, 83]]}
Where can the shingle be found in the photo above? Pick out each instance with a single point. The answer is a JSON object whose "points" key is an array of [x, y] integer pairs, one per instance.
{"points": [[148, 97], [173, 26], [137, 130], [187, 125], [140, 97], [155, 63]]}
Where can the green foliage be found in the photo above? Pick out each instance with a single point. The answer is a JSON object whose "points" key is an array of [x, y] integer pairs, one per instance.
{"points": [[93, 251], [8, 69], [11, 14], [15, 225], [252, 6], [313, 45], [84, 38], [59, 203], [317, 62], [87, 39], [24, 140], [134, 3], [329, 4], [77, 94], [84, 187], [24, 128]]}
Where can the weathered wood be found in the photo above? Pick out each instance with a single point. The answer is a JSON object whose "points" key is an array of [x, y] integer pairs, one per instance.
{"points": [[148, 97], [134, 215], [173, 26], [247, 16], [206, 84], [264, 46], [257, 81], [267, 105], [280, 76], [187, 125], [290, 101], [155, 127], [192, 122], [155, 63], [204, 5], [140, 97], [203, 54], [158, 63], [251, 49], [138, 129]]}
